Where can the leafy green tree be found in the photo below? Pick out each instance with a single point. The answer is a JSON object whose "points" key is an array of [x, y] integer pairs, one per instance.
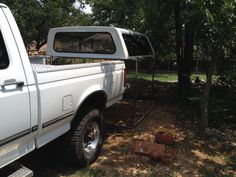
{"points": [[188, 19], [216, 36], [120, 13], [36, 17]]}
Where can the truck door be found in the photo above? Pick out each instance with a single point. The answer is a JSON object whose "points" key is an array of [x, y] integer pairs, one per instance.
{"points": [[14, 98]]}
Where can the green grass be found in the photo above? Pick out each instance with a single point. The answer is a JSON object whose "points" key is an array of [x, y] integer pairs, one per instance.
{"points": [[201, 76], [163, 77]]}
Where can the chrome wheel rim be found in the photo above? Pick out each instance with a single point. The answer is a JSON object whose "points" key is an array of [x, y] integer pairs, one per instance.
{"points": [[91, 138]]}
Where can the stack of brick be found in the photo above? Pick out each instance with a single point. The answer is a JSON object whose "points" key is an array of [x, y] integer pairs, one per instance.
{"points": [[159, 150]]}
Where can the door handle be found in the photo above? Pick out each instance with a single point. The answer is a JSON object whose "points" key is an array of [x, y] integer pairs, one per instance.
{"points": [[12, 82]]}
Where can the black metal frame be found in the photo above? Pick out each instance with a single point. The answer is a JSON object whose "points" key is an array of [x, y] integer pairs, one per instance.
{"points": [[137, 121]]}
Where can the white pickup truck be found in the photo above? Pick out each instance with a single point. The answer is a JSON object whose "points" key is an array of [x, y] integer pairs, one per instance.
{"points": [[39, 103]]}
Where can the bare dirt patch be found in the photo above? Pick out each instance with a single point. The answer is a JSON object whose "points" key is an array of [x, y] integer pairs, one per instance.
{"points": [[194, 157], [214, 156]]}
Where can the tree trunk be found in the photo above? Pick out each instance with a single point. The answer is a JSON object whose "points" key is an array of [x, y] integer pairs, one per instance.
{"points": [[39, 42], [184, 54], [179, 43], [188, 55], [203, 120], [210, 65]]}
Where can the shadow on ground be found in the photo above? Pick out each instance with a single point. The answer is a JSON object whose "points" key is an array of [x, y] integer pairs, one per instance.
{"points": [[214, 156]]}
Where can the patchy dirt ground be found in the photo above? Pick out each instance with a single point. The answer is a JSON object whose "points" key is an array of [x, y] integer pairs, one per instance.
{"points": [[215, 156], [194, 157]]}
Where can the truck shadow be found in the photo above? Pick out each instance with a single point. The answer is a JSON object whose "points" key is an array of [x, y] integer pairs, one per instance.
{"points": [[48, 161]]}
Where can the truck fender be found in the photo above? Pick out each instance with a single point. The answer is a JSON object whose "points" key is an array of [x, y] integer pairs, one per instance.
{"points": [[88, 93]]}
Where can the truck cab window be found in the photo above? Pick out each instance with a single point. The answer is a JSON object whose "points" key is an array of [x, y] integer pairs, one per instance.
{"points": [[4, 60]]}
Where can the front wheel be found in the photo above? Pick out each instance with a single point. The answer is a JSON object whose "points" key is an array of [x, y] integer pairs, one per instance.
{"points": [[85, 138]]}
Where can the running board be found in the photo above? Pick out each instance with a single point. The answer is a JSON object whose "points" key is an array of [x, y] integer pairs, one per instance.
{"points": [[16, 170]]}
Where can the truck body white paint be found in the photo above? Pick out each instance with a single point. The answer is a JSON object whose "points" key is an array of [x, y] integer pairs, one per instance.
{"points": [[40, 111], [38, 102]]}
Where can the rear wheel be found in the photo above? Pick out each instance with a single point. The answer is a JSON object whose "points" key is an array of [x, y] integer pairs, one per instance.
{"points": [[84, 141]]}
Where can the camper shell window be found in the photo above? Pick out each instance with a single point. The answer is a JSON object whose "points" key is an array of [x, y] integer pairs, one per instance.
{"points": [[137, 45], [84, 42]]}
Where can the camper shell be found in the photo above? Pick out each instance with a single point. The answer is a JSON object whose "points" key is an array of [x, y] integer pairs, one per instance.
{"points": [[84, 42]]}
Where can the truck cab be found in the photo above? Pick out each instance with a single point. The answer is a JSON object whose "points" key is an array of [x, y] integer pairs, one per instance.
{"points": [[15, 97]]}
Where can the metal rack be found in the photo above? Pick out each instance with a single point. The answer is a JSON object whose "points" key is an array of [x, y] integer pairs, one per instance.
{"points": [[138, 120]]}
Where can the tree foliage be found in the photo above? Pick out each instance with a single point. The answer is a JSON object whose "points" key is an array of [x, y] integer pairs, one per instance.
{"points": [[36, 17], [216, 38]]}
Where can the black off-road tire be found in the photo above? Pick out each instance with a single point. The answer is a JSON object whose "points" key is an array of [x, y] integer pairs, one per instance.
{"points": [[75, 151]]}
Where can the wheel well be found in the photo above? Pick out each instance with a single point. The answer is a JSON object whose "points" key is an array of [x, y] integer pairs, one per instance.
{"points": [[96, 99]]}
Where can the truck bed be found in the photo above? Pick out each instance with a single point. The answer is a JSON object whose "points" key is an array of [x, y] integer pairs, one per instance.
{"points": [[62, 88], [52, 73], [41, 68]]}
